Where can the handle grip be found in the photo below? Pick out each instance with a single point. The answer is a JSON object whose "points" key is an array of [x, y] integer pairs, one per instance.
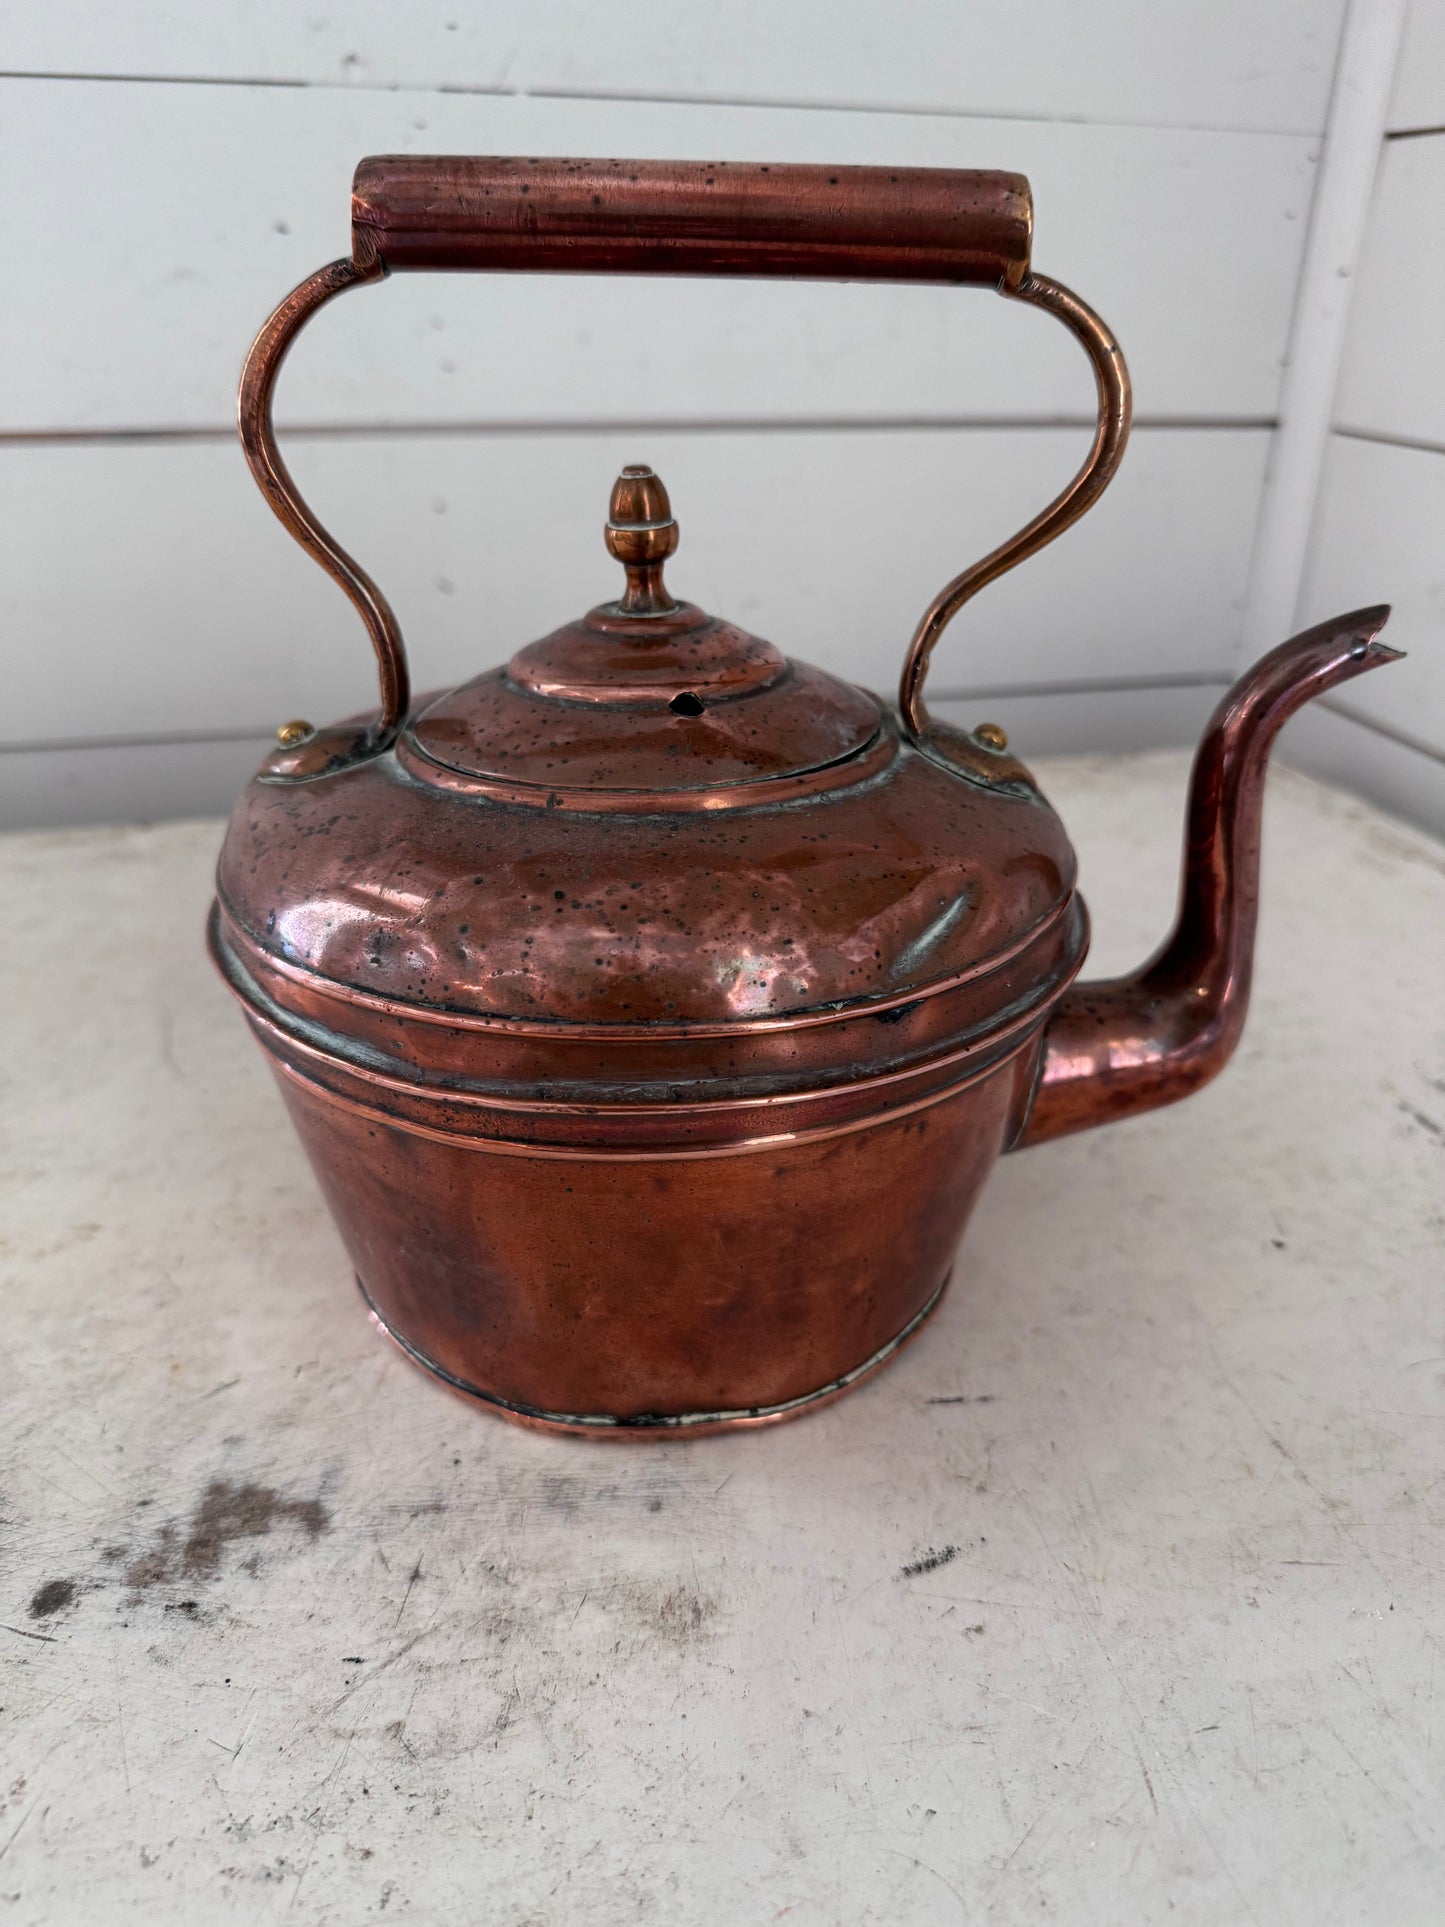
{"points": [[925, 224], [692, 217]]}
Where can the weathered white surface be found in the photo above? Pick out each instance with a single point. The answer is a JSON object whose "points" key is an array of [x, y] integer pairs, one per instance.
{"points": [[1339, 217], [1377, 539], [188, 212], [1381, 486], [1374, 761], [1177, 1660], [1420, 83], [151, 602], [1393, 379], [831, 544], [1229, 63]]}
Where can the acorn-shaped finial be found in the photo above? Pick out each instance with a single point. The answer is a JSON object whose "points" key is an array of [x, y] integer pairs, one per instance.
{"points": [[641, 534]]}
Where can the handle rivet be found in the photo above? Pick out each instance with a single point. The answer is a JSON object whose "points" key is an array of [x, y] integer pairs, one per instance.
{"points": [[290, 734], [991, 736]]}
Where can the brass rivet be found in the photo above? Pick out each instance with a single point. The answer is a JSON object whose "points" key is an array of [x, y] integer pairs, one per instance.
{"points": [[991, 736], [290, 734]]}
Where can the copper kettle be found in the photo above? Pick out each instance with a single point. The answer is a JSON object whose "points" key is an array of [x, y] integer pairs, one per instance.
{"points": [[653, 1009]]}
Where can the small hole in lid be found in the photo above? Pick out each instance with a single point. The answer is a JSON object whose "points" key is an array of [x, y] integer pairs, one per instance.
{"points": [[687, 704]]}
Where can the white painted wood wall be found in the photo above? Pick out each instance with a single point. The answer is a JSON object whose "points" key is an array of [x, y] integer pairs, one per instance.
{"points": [[1379, 524], [833, 453]]}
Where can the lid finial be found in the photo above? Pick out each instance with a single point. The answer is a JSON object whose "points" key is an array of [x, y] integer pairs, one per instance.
{"points": [[641, 534]]}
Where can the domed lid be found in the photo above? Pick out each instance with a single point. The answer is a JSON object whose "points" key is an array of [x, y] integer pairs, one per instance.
{"points": [[642, 697]]}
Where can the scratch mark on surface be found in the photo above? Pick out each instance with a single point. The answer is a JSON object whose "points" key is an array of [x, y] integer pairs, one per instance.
{"points": [[321, 1812], [1019, 1843], [915, 953], [923, 1867], [1420, 1827], [84, 1470], [1430, 1708], [382, 1666], [46, 1639], [120, 1723], [1014, 1605], [509, 1706], [853, 1700], [1148, 1783], [20, 1823], [415, 1575]]}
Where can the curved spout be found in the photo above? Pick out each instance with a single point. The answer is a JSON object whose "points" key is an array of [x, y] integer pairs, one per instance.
{"points": [[1133, 1043]]}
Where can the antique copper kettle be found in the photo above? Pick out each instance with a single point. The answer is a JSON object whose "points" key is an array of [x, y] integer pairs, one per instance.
{"points": [[653, 1009]]}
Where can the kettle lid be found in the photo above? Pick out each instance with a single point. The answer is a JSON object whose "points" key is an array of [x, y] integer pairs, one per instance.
{"points": [[644, 702]]}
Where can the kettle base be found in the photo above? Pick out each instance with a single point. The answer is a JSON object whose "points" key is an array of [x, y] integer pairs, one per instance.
{"points": [[659, 1425]]}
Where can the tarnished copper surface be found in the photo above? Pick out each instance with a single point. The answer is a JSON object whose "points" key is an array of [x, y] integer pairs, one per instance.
{"points": [[1111, 433], [691, 217], [653, 1009], [258, 438], [694, 1424], [411, 211], [551, 724], [1133, 1043]]}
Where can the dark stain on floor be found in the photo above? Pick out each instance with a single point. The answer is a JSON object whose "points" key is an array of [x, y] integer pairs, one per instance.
{"points": [[51, 1597], [224, 1513], [681, 1618], [929, 1561]]}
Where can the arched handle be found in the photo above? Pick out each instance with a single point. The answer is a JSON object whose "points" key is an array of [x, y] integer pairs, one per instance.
{"points": [[273, 478], [919, 224], [1111, 432]]}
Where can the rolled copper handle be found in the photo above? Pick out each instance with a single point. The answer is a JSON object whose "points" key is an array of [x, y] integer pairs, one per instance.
{"points": [[918, 224], [692, 217]]}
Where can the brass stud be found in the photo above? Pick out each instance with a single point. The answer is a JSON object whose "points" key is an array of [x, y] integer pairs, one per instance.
{"points": [[991, 736], [290, 734]]}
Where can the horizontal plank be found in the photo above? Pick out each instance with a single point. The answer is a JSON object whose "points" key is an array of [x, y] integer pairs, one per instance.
{"points": [[151, 592], [1392, 380], [167, 220], [1419, 97], [1228, 63], [1377, 539], [151, 782], [1094, 721], [1359, 757], [44, 789]]}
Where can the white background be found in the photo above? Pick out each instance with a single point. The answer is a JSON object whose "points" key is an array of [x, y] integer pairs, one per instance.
{"points": [[834, 453]]}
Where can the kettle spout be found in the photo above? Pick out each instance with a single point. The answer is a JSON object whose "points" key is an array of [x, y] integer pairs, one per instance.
{"points": [[1133, 1043]]}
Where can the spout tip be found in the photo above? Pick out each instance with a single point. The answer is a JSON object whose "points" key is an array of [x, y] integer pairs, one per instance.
{"points": [[1367, 649]]}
